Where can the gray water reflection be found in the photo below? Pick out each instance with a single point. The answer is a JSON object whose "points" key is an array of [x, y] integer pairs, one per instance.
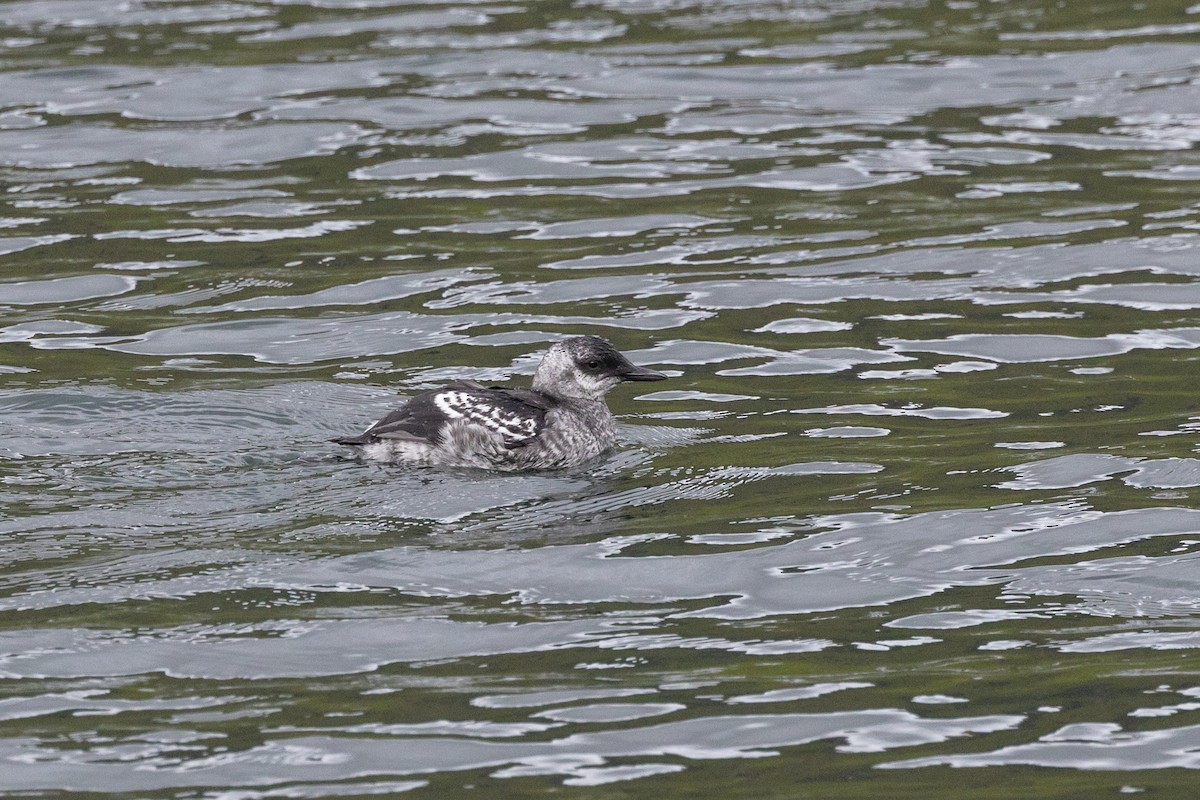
{"points": [[917, 495], [581, 759]]}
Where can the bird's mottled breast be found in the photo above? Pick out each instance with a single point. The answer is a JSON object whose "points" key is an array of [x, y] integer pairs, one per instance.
{"points": [[576, 431]]}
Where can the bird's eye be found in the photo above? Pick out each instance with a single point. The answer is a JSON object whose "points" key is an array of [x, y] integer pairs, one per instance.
{"points": [[593, 364]]}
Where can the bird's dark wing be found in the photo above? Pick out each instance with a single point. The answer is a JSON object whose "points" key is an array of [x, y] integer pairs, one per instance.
{"points": [[517, 415], [508, 412], [525, 397], [418, 420]]}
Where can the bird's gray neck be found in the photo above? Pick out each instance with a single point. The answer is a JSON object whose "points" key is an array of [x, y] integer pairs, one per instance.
{"points": [[588, 408], [560, 396]]}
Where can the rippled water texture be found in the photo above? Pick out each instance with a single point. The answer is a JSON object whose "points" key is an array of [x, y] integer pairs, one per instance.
{"points": [[915, 515]]}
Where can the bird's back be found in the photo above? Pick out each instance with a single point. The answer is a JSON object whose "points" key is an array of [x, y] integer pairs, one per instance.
{"points": [[462, 424]]}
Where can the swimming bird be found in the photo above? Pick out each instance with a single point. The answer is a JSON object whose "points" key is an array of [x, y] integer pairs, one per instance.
{"points": [[561, 421]]}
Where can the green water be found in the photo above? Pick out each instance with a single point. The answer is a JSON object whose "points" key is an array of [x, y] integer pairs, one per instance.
{"points": [[912, 516]]}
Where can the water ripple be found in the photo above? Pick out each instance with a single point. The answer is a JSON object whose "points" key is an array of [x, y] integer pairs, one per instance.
{"points": [[234, 230]]}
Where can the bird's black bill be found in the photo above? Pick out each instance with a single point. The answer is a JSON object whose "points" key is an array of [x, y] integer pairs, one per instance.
{"points": [[636, 373]]}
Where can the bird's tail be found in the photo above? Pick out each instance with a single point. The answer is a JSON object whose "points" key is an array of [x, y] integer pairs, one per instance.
{"points": [[361, 439]]}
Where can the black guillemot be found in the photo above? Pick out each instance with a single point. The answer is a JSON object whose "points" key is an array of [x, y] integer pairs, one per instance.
{"points": [[561, 421]]}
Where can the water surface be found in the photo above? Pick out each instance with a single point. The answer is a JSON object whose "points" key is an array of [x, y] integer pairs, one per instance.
{"points": [[913, 514]]}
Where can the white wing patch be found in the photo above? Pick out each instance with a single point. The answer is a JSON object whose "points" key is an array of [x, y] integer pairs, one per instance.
{"points": [[513, 426]]}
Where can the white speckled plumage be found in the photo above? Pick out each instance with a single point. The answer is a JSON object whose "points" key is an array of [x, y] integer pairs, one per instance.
{"points": [[561, 421]]}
